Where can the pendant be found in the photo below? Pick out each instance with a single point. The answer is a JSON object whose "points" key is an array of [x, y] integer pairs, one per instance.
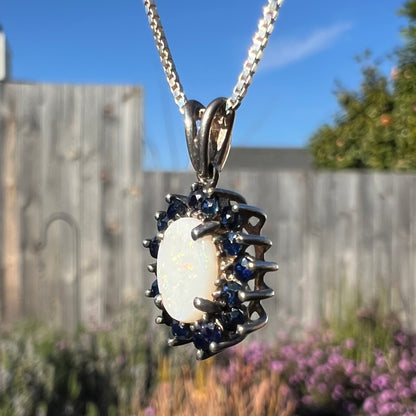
{"points": [[209, 252]]}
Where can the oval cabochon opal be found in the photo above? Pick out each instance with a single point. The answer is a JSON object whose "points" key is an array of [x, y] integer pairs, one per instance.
{"points": [[186, 269]]}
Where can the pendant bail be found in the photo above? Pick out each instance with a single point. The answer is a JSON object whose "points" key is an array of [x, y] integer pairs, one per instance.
{"points": [[208, 136]]}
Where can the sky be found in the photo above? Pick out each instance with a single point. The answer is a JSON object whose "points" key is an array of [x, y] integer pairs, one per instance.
{"points": [[313, 44]]}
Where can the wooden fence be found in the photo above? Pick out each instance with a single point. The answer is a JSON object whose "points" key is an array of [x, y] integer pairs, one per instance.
{"points": [[75, 206], [70, 200]]}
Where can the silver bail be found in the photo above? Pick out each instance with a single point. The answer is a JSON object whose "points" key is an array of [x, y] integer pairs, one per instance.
{"points": [[208, 145]]}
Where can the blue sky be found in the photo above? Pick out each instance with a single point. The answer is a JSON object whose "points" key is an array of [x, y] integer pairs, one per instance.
{"points": [[109, 42]]}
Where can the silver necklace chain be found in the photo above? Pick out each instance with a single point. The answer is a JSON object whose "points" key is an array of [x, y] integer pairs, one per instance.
{"points": [[255, 54]]}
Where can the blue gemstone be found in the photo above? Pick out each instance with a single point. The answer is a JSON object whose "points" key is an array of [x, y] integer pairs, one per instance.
{"points": [[241, 270], [167, 319], [162, 222], [209, 206], [195, 199], [230, 246], [230, 293], [230, 219], [181, 331], [155, 288], [208, 333], [154, 247], [232, 319], [176, 207], [200, 341]]}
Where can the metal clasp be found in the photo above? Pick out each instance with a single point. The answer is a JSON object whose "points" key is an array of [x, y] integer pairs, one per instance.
{"points": [[208, 136]]}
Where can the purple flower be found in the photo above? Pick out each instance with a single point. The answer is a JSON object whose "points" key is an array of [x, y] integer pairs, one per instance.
{"points": [[277, 366], [406, 393], [254, 353], [401, 338], [381, 382], [321, 387], [388, 396], [149, 411], [349, 344], [413, 385], [405, 365], [385, 409], [370, 405], [338, 392]]}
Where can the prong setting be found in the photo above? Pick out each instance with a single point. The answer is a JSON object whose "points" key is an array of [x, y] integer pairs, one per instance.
{"points": [[234, 311]]}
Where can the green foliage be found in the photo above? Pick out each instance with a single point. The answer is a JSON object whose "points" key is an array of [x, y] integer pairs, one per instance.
{"points": [[376, 126], [371, 327], [100, 371]]}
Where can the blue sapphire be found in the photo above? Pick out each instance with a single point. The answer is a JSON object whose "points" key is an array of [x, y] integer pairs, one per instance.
{"points": [[195, 199], [181, 331], [230, 219], [208, 333], [154, 247], [209, 207], [230, 245], [232, 319], [241, 270], [230, 293], [155, 288], [167, 319], [176, 207], [162, 221]]}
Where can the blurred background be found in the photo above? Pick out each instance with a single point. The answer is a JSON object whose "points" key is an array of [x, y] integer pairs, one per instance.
{"points": [[91, 142]]}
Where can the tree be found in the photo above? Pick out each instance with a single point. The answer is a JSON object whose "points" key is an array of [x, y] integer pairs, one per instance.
{"points": [[376, 126]]}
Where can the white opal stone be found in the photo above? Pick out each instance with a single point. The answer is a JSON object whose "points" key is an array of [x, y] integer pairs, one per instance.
{"points": [[186, 269]]}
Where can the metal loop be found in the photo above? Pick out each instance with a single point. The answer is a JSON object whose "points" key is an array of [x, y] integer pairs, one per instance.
{"points": [[210, 181], [209, 145], [192, 115]]}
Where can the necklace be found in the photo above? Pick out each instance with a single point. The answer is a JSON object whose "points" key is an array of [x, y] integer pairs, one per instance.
{"points": [[210, 264]]}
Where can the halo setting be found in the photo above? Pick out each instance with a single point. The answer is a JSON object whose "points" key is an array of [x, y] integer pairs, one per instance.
{"points": [[210, 269]]}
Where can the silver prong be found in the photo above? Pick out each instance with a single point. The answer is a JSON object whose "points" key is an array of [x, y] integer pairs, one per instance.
{"points": [[216, 294], [250, 211], [196, 325], [159, 236], [174, 342], [158, 301], [159, 320], [146, 243], [170, 197], [255, 295], [148, 293], [253, 239], [235, 208], [217, 239], [216, 347], [264, 266], [206, 305], [226, 263], [220, 281], [204, 229], [233, 196], [252, 326], [203, 355], [159, 214], [152, 267], [200, 354]]}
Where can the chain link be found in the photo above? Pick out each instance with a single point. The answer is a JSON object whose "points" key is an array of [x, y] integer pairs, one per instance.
{"points": [[255, 53]]}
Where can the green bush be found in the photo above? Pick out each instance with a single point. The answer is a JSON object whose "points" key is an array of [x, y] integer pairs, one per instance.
{"points": [[105, 371], [376, 126]]}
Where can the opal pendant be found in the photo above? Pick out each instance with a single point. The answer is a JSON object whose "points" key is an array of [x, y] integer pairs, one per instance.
{"points": [[209, 253]]}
